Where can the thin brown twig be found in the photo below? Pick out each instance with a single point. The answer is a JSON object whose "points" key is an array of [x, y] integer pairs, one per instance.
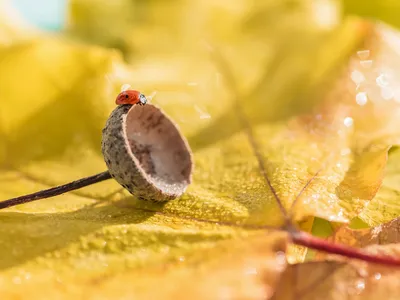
{"points": [[304, 239], [55, 191]]}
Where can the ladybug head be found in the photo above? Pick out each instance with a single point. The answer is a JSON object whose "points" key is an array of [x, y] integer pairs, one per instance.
{"points": [[142, 99]]}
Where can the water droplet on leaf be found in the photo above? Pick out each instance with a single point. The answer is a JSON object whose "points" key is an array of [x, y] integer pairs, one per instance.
{"points": [[387, 93], [203, 114], [345, 151], [280, 258], [382, 80], [363, 54], [360, 285], [366, 63], [357, 77], [361, 98], [348, 122], [251, 271]]}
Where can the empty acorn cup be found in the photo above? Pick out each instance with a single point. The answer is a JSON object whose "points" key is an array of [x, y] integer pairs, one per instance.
{"points": [[145, 152]]}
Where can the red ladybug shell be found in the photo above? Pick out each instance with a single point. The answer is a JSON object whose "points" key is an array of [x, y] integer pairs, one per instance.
{"points": [[128, 97]]}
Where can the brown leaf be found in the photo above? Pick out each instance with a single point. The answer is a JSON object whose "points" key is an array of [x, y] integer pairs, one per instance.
{"points": [[341, 279], [379, 235]]}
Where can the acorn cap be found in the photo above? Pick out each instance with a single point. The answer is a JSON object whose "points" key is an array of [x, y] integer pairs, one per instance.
{"points": [[145, 153]]}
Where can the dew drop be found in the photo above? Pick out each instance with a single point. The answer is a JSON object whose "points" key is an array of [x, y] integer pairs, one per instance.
{"points": [[361, 98], [325, 13], [363, 273], [357, 288], [338, 168], [357, 77], [251, 271], [360, 285], [397, 96], [125, 87], [363, 54], [377, 276], [17, 280], [348, 122], [280, 258], [331, 188], [387, 93], [313, 168], [366, 63], [181, 258], [345, 151], [382, 80], [98, 244], [203, 114]]}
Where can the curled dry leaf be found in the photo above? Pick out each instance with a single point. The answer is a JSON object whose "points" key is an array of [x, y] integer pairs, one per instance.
{"points": [[387, 233], [341, 279]]}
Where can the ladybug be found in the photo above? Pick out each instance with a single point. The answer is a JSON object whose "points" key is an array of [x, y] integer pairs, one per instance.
{"points": [[131, 97]]}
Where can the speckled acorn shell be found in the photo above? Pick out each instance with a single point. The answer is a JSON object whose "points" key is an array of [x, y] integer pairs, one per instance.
{"points": [[145, 153]]}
